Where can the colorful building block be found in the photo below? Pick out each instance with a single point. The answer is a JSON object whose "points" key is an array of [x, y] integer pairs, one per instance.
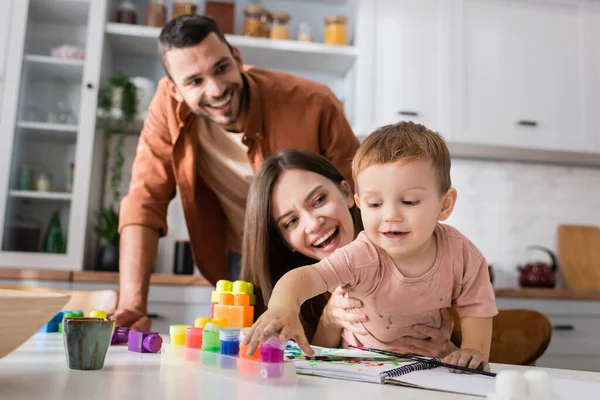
{"points": [[144, 342], [237, 287], [55, 323], [120, 335], [236, 309]]}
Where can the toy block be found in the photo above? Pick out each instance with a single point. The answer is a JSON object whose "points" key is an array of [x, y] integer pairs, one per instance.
{"points": [[120, 335], [237, 287], [144, 342], [236, 309]]}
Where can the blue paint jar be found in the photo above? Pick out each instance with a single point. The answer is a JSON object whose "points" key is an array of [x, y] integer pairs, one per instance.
{"points": [[230, 347]]}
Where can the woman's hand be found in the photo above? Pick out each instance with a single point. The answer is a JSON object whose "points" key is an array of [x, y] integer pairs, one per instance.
{"points": [[437, 344], [345, 312]]}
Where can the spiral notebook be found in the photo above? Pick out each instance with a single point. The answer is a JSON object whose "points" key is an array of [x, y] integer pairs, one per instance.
{"points": [[349, 364]]}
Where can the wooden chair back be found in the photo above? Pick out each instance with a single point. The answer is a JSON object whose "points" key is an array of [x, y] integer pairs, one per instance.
{"points": [[85, 300], [519, 337]]}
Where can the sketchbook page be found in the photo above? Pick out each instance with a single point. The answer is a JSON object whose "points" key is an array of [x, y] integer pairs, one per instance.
{"points": [[478, 385], [356, 370]]}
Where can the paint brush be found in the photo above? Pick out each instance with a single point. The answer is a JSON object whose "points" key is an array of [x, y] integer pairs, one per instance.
{"points": [[433, 361]]}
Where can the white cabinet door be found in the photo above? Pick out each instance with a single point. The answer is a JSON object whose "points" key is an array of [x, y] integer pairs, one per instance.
{"points": [[521, 73], [4, 31], [595, 76], [409, 66]]}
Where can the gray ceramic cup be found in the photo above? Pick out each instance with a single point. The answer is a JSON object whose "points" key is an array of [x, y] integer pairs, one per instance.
{"points": [[86, 341]]}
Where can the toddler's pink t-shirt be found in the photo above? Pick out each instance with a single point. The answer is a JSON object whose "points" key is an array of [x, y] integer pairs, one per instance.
{"points": [[394, 303]]}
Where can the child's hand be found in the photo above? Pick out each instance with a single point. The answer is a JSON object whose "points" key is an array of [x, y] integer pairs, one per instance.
{"points": [[470, 358], [279, 322]]}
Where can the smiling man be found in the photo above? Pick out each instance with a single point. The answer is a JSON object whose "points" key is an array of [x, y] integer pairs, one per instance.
{"points": [[210, 126]]}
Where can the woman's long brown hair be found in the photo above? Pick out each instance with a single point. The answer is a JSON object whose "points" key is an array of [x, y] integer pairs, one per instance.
{"points": [[265, 255]]}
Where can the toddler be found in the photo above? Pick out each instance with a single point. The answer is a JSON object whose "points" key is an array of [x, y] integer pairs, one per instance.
{"points": [[405, 266]]}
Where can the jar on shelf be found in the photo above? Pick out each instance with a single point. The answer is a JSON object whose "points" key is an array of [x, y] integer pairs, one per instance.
{"points": [[255, 23], [279, 29], [156, 13], [336, 32], [43, 183], [184, 8], [127, 13], [304, 33]]}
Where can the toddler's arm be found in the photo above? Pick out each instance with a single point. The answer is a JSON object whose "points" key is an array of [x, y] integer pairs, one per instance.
{"points": [[282, 315], [476, 341]]}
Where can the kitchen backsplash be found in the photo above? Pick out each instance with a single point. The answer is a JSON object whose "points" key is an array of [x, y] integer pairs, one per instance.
{"points": [[502, 207]]}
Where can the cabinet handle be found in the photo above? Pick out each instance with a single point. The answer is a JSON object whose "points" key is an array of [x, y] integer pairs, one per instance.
{"points": [[153, 316], [563, 327], [525, 122], [408, 113], [89, 85]]}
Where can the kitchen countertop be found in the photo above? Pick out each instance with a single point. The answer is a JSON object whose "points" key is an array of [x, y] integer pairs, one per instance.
{"points": [[198, 280]]}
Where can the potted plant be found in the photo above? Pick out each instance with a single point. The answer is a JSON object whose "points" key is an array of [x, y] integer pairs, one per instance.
{"points": [[118, 109]]}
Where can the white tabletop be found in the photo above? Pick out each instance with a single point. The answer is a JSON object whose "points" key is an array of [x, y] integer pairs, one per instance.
{"points": [[38, 370]]}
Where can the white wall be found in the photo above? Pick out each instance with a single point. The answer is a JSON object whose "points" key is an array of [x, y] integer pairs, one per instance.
{"points": [[503, 207]]}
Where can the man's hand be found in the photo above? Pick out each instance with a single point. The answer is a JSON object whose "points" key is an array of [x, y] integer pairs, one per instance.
{"points": [[132, 318], [438, 342], [279, 322], [345, 312], [470, 358]]}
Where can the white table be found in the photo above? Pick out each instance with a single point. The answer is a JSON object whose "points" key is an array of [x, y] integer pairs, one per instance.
{"points": [[38, 370]]}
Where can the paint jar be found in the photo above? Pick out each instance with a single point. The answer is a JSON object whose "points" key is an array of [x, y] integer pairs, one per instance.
{"points": [[193, 338], [230, 346], [248, 364], [271, 356], [177, 334], [335, 30], [211, 345], [279, 29]]}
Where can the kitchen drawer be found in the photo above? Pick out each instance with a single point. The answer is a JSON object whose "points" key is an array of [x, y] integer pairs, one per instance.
{"points": [[580, 363], [574, 336], [584, 308], [165, 314]]}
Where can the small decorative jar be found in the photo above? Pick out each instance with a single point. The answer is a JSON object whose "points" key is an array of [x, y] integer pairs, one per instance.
{"points": [[184, 7], [43, 183], [255, 24], [127, 13], [279, 28], [156, 13], [304, 33], [335, 30]]}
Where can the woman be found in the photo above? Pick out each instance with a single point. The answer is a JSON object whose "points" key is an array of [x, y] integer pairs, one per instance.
{"points": [[300, 209]]}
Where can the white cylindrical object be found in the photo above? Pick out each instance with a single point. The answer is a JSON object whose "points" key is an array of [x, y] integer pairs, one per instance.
{"points": [[539, 384], [511, 384]]}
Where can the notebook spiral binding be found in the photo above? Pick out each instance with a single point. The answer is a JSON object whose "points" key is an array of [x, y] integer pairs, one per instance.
{"points": [[406, 369]]}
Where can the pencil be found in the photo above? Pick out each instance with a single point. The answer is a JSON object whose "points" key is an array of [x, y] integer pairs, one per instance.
{"points": [[433, 361]]}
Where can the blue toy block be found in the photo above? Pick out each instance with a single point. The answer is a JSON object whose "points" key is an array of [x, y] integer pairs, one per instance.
{"points": [[52, 325]]}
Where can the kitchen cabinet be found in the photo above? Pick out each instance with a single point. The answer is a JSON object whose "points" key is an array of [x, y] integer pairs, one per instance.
{"points": [[5, 5], [410, 63], [48, 129], [521, 73], [575, 325], [595, 76]]}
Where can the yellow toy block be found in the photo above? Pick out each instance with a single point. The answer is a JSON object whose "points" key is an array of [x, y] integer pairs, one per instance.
{"points": [[237, 287]]}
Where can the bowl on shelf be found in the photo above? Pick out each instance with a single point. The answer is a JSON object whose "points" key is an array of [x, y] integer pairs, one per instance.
{"points": [[23, 313]]}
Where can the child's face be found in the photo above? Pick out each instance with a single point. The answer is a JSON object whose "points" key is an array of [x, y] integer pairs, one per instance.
{"points": [[400, 204], [312, 213]]}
